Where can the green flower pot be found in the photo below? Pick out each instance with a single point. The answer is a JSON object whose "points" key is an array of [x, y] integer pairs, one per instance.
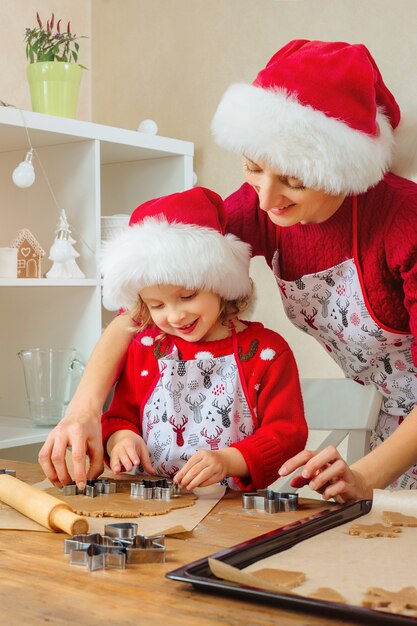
{"points": [[54, 87]]}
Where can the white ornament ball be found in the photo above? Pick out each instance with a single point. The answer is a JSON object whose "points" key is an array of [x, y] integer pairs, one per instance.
{"points": [[150, 127], [24, 175]]}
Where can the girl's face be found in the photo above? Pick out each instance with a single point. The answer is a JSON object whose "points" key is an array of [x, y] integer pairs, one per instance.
{"points": [[285, 199], [190, 314]]}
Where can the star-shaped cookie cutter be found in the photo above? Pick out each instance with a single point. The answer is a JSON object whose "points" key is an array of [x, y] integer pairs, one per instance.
{"points": [[119, 546], [95, 551], [93, 488], [270, 501]]}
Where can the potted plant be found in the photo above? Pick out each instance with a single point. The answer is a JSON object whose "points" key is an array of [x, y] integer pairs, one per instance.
{"points": [[54, 73]]}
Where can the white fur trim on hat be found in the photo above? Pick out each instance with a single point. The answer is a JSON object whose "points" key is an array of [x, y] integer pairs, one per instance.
{"points": [[157, 252], [302, 142]]}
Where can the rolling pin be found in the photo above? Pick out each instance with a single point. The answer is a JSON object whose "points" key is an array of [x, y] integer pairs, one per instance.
{"points": [[40, 506]]}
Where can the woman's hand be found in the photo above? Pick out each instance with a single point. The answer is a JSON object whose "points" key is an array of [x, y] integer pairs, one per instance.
{"points": [[327, 473], [82, 431], [128, 450], [204, 468]]}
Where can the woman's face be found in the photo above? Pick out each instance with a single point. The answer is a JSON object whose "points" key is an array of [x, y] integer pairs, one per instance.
{"points": [[285, 199]]}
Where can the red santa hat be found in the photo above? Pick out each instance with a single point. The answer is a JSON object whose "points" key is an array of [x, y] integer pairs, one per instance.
{"points": [[319, 112], [178, 239]]}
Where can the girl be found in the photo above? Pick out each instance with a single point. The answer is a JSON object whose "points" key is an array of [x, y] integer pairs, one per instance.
{"points": [[203, 396]]}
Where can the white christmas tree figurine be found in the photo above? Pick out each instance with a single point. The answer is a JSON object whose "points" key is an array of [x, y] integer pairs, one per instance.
{"points": [[63, 254]]}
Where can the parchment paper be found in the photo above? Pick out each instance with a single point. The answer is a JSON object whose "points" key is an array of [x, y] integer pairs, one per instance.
{"points": [[177, 521], [351, 564]]}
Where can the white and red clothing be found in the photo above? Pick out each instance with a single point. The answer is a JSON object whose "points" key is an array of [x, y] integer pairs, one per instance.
{"points": [[351, 282], [242, 391]]}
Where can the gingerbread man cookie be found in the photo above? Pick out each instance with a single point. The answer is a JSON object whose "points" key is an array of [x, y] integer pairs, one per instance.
{"points": [[393, 601], [373, 530]]}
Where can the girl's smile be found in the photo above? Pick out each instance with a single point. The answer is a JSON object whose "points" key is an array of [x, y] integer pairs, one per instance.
{"points": [[191, 314], [188, 328]]}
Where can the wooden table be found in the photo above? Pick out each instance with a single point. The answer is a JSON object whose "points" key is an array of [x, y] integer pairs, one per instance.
{"points": [[39, 586]]}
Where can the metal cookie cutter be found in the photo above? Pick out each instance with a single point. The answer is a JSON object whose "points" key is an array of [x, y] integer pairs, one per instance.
{"points": [[99, 557], [6, 471], [92, 489], [162, 489], [121, 530], [270, 501], [95, 551], [139, 548]]}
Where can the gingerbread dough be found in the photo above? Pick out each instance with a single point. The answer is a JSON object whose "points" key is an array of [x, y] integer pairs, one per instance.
{"points": [[121, 504], [233, 574], [329, 595], [281, 577], [289, 580], [398, 519], [373, 530], [393, 601]]}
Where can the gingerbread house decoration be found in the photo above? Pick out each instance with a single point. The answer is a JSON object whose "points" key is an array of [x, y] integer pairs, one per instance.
{"points": [[29, 254]]}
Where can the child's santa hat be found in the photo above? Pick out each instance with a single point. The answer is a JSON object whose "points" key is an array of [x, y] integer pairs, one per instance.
{"points": [[178, 240], [319, 112]]}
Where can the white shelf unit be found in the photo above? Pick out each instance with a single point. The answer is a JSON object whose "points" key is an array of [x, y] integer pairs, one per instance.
{"points": [[93, 170]]}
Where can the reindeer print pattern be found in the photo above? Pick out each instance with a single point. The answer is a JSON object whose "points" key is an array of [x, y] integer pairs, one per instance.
{"points": [[196, 406], [366, 352], [228, 375], [179, 429], [224, 410], [179, 417]]}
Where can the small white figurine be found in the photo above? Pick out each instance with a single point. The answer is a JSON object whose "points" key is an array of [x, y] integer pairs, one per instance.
{"points": [[63, 254]]}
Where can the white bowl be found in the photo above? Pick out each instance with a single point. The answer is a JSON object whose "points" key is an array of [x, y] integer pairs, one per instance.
{"points": [[212, 491], [111, 225]]}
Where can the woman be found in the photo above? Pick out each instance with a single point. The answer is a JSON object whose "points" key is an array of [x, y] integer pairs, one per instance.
{"points": [[316, 131]]}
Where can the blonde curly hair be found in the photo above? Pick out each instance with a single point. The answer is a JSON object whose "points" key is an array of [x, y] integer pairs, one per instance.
{"points": [[142, 317]]}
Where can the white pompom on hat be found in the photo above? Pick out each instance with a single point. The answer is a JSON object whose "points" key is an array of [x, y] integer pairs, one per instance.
{"points": [[319, 111], [178, 239]]}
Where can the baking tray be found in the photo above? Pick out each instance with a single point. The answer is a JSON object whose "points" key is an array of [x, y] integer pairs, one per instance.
{"points": [[198, 573]]}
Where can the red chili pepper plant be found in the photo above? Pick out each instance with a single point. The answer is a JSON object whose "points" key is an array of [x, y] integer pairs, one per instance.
{"points": [[46, 43]]}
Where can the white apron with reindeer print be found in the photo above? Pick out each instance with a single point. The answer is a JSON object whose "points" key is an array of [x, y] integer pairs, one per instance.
{"points": [[332, 306], [195, 404]]}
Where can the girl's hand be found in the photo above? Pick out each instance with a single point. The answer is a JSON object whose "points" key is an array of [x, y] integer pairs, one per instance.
{"points": [[127, 450], [327, 473], [204, 468]]}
